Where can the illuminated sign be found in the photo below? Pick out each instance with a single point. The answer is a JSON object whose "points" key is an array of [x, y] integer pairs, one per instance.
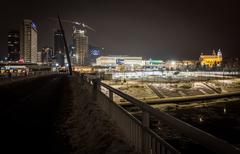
{"points": [[155, 62], [95, 52], [119, 61], [34, 26]]}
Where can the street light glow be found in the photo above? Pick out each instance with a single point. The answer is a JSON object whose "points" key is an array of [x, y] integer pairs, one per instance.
{"points": [[173, 62]]}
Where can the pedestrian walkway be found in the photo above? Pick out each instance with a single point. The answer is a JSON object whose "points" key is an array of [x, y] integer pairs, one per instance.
{"points": [[88, 127], [56, 115]]}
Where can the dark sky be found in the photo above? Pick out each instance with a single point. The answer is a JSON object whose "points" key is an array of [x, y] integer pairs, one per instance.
{"points": [[175, 29]]}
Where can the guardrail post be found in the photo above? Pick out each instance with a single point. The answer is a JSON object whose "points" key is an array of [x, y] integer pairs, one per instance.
{"points": [[109, 105], [145, 141], [95, 88], [110, 95], [145, 119], [96, 83]]}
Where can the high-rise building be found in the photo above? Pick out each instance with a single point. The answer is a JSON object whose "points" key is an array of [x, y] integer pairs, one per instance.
{"points": [[13, 45], [80, 42], [58, 42], [59, 49], [46, 55], [39, 57], [29, 40]]}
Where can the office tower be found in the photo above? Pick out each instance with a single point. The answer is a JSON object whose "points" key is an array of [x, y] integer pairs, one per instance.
{"points": [[59, 49], [47, 55], [13, 45], [58, 42], [80, 42], [29, 40], [39, 57]]}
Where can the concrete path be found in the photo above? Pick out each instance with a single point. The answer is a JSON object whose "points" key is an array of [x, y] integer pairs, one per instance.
{"points": [[55, 115]]}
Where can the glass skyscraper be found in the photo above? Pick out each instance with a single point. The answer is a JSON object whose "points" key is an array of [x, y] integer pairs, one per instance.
{"points": [[13, 45]]}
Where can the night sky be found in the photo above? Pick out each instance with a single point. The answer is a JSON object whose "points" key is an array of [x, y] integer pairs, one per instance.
{"points": [[168, 29]]}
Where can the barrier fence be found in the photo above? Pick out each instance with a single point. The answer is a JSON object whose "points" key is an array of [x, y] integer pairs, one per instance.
{"points": [[143, 139], [138, 133]]}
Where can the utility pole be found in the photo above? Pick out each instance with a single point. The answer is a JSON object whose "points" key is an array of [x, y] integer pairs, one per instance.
{"points": [[66, 47]]}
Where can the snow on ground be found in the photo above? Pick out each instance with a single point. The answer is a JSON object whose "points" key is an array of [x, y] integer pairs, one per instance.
{"points": [[88, 127], [226, 85], [135, 89], [152, 91]]}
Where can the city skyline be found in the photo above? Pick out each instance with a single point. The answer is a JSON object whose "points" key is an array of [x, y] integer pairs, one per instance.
{"points": [[120, 76], [177, 30]]}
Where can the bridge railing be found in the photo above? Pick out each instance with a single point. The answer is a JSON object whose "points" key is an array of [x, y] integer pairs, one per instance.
{"points": [[137, 133], [144, 139], [6, 80]]}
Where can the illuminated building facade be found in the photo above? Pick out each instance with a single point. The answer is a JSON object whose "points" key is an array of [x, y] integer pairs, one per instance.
{"points": [[211, 60], [172, 64], [80, 42], [47, 55], [13, 45], [29, 40], [154, 62], [39, 57], [118, 60]]}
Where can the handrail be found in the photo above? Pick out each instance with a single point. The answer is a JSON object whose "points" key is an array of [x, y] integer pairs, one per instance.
{"points": [[207, 140], [193, 98], [147, 129], [18, 79], [137, 133]]}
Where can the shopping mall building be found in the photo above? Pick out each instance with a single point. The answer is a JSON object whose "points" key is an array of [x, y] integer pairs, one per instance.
{"points": [[127, 62]]}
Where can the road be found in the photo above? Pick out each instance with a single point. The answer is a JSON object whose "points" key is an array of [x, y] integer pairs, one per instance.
{"points": [[29, 117]]}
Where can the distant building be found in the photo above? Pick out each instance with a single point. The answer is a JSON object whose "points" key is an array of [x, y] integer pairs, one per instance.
{"points": [[58, 42], [13, 45], [153, 64], [172, 64], [39, 57], [47, 55], [59, 59], [72, 53], [119, 60], [211, 60], [80, 42], [59, 48], [29, 42]]}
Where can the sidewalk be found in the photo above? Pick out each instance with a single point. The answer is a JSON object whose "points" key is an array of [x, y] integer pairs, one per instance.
{"points": [[88, 127]]}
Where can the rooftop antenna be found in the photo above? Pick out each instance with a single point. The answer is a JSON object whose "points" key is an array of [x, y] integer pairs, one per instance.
{"points": [[66, 46]]}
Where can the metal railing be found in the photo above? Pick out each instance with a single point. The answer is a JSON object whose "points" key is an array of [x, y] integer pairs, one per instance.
{"points": [[137, 133], [7, 80], [145, 140]]}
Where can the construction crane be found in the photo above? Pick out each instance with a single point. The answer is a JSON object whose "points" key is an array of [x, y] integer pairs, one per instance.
{"points": [[85, 26], [76, 23]]}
